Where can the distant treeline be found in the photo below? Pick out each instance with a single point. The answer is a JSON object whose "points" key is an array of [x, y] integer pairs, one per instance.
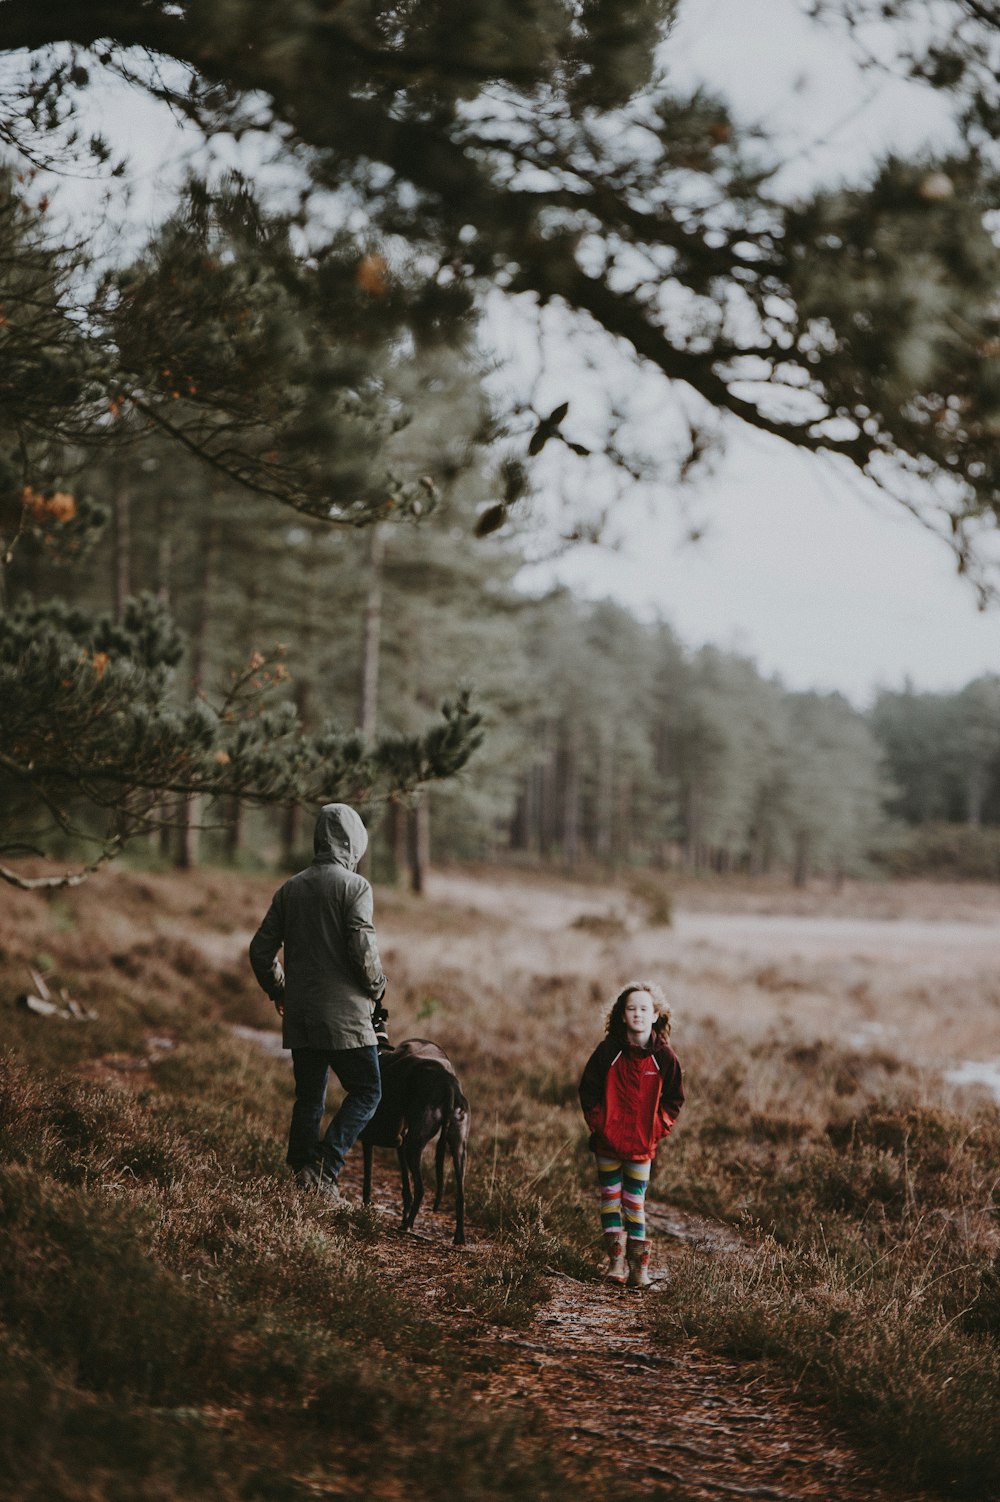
{"points": [[607, 741], [647, 753]]}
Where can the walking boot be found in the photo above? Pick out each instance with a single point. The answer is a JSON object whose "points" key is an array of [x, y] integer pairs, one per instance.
{"points": [[614, 1241], [638, 1263], [314, 1181]]}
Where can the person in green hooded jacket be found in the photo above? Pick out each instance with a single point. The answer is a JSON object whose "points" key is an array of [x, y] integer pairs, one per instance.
{"points": [[325, 994]]}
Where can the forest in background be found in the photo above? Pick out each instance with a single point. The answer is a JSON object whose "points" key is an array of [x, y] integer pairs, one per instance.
{"points": [[607, 740]]}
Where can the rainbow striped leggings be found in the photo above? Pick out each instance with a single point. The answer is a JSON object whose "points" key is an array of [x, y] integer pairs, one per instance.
{"points": [[623, 1191]]}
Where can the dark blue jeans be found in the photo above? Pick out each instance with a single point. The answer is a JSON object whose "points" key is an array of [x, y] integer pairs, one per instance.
{"points": [[357, 1070]]}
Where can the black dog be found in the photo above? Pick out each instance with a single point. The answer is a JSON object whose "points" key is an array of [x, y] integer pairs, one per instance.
{"points": [[421, 1099]]}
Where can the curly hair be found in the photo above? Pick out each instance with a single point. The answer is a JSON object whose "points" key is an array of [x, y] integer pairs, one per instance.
{"points": [[615, 1022]]}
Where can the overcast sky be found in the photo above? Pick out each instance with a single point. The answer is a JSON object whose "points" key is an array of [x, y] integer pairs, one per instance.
{"points": [[825, 584]]}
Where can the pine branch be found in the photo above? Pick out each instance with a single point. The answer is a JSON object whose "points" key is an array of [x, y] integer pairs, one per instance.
{"points": [[65, 879]]}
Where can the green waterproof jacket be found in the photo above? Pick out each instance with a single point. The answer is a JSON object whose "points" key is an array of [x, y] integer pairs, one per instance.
{"points": [[323, 917]]}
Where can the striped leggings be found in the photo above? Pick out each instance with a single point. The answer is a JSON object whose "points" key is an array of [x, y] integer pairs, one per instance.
{"points": [[623, 1189]]}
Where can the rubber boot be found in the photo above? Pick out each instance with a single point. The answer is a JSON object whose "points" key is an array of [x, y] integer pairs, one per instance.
{"points": [[638, 1263], [614, 1241]]}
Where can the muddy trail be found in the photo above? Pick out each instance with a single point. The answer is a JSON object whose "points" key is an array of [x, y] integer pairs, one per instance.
{"points": [[612, 1399]]}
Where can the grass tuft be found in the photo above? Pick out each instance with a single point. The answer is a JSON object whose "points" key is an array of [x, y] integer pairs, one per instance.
{"points": [[875, 1339]]}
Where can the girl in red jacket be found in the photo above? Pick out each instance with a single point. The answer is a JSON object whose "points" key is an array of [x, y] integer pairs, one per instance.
{"points": [[631, 1093]]}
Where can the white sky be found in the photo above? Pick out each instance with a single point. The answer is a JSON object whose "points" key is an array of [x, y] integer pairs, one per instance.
{"points": [[821, 586]]}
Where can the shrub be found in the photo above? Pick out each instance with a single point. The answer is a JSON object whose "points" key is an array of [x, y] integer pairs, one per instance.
{"points": [[956, 851], [76, 1284]]}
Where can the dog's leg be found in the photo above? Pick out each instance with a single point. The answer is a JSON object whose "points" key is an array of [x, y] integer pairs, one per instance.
{"points": [[439, 1153], [405, 1183], [458, 1136], [366, 1193], [457, 1131], [416, 1139]]}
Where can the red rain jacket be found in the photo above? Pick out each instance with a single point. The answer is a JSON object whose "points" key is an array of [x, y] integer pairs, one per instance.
{"points": [[631, 1097]]}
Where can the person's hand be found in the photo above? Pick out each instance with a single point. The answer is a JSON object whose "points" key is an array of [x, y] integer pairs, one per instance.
{"points": [[279, 1005]]}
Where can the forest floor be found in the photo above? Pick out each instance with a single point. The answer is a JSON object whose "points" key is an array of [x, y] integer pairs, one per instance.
{"points": [[678, 1423]]}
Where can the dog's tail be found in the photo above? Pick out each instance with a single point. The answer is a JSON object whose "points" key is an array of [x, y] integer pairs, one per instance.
{"points": [[458, 1106]]}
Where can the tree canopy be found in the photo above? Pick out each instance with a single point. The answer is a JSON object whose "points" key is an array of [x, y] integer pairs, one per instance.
{"points": [[540, 147]]}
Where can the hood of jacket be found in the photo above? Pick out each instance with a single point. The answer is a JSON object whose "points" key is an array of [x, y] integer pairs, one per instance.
{"points": [[340, 835]]}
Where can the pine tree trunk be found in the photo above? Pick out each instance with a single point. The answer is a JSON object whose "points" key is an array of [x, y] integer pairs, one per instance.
{"points": [[235, 827], [548, 789], [604, 839], [371, 645], [189, 833], [291, 834], [525, 831], [520, 819], [164, 835], [536, 808], [624, 821], [236, 812], [187, 854], [800, 875], [291, 823], [525, 826], [122, 509], [420, 845], [371, 638], [571, 808], [399, 834], [162, 838], [164, 563], [692, 828]]}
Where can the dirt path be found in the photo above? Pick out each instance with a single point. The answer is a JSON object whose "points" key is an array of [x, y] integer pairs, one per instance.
{"points": [[614, 1400]]}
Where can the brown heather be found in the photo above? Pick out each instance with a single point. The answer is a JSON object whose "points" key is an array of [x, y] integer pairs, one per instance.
{"points": [[178, 1324]]}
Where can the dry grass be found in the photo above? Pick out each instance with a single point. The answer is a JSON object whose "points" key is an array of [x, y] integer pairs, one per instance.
{"points": [[156, 1344], [178, 1323]]}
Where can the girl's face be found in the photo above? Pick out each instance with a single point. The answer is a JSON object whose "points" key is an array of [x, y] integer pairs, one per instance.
{"points": [[639, 1015]]}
